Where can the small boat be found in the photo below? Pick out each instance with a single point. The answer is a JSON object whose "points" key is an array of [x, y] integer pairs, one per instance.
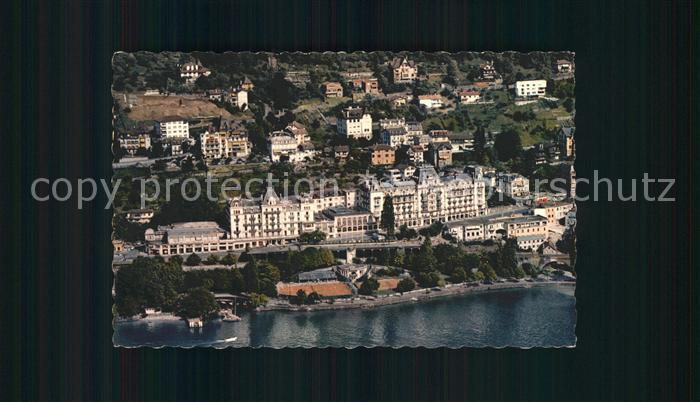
{"points": [[230, 339], [414, 299]]}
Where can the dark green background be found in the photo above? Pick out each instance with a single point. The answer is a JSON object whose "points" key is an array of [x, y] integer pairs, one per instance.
{"points": [[635, 77]]}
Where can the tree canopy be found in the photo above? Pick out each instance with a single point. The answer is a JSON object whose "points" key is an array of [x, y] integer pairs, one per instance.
{"points": [[197, 302], [387, 218]]}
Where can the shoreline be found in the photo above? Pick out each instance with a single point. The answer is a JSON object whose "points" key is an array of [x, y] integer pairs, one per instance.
{"points": [[414, 296], [158, 317], [369, 302]]}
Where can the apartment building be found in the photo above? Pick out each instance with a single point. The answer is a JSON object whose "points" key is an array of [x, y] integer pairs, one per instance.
{"points": [[225, 144], [440, 154], [298, 131], [131, 144], [355, 123], [172, 127], [395, 136], [415, 154], [283, 146], [513, 185], [239, 98], [530, 88], [553, 211], [382, 154]]}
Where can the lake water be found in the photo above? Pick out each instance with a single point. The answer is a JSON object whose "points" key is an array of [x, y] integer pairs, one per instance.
{"points": [[543, 316]]}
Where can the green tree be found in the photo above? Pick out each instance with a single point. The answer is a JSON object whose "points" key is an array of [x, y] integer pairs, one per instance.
{"points": [[458, 275], [477, 276], [228, 259], [306, 260], [405, 285], [313, 298], [429, 279], [257, 300], [127, 231], [268, 276], [211, 260], [237, 283], [406, 233], [314, 237], [506, 261], [301, 296], [147, 282], [387, 219], [424, 260], [480, 145], [369, 286], [193, 259], [508, 145], [176, 260], [519, 272], [250, 276], [487, 270], [399, 258], [197, 302], [569, 105]]}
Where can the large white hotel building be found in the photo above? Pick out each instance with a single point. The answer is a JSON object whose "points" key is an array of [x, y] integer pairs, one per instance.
{"points": [[426, 198], [272, 220]]}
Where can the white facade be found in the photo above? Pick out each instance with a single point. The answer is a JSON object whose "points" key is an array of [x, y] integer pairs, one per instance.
{"points": [[299, 132], [355, 123], [469, 96], [554, 211], [225, 145], [530, 88], [395, 137], [390, 123], [431, 101], [281, 144], [133, 144], [514, 185], [426, 198], [528, 230], [273, 220], [173, 127], [239, 99], [191, 71]]}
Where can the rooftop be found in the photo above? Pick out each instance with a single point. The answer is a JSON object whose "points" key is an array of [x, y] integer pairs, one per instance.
{"points": [[342, 211], [318, 275], [382, 147]]}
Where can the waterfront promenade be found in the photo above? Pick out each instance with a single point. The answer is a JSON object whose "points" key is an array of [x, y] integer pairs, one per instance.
{"points": [[414, 296]]}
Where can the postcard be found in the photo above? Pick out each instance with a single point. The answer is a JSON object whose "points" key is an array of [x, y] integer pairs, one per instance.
{"points": [[390, 199]]}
